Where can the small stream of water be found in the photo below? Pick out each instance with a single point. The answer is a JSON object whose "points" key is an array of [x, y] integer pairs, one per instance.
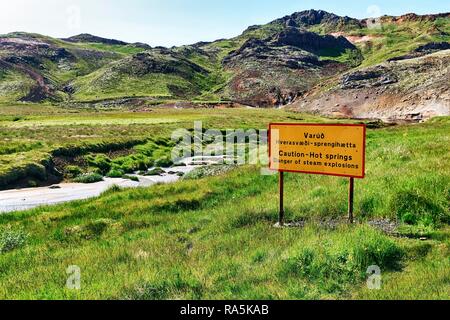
{"points": [[28, 198]]}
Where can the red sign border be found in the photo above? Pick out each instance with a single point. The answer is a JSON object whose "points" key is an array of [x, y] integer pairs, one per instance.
{"points": [[322, 125]]}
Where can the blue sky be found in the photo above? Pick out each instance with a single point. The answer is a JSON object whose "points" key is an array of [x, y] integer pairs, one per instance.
{"points": [[176, 22]]}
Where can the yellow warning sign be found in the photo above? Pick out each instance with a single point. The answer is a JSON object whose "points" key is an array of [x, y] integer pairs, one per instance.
{"points": [[331, 149]]}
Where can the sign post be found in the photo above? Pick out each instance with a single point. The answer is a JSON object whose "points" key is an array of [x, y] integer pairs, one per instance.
{"points": [[351, 191], [327, 149], [281, 185]]}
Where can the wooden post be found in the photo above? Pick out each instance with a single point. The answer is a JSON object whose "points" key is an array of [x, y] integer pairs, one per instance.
{"points": [[281, 185], [351, 190]]}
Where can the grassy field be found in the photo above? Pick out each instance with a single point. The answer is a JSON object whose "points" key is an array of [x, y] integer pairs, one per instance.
{"points": [[30, 135], [213, 237]]}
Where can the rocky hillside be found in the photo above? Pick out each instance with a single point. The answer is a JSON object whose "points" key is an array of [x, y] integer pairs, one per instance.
{"points": [[36, 68], [311, 61], [159, 72], [273, 71], [412, 88]]}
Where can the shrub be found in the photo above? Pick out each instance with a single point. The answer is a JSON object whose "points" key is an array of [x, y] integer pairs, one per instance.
{"points": [[155, 172], [132, 163], [412, 208], [91, 230], [89, 178], [132, 178], [172, 287], [164, 162], [179, 164], [115, 173], [113, 189], [32, 183], [72, 171], [143, 163], [340, 263], [128, 166], [355, 57], [147, 149], [11, 239], [95, 170], [102, 162], [37, 171]]}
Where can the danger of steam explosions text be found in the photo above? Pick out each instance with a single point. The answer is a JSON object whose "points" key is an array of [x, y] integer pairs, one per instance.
{"points": [[318, 149]]}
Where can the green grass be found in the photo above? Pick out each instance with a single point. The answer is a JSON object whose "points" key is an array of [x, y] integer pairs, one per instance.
{"points": [[392, 40], [213, 237], [94, 87], [89, 178], [121, 49], [427, 277], [14, 85], [11, 239], [176, 241]]}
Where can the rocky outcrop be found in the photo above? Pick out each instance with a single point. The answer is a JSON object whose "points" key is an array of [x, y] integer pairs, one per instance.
{"points": [[406, 90], [423, 50], [412, 17], [433, 47], [310, 41], [276, 70], [89, 38], [291, 47], [140, 45], [310, 18], [31, 51], [375, 77], [271, 54]]}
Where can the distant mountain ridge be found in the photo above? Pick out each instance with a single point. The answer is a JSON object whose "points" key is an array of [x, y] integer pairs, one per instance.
{"points": [[298, 61], [309, 18], [85, 37]]}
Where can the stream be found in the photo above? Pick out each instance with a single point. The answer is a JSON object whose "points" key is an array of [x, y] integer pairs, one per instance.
{"points": [[28, 198]]}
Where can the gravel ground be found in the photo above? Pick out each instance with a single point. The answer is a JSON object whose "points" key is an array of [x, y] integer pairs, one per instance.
{"points": [[385, 225]]}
